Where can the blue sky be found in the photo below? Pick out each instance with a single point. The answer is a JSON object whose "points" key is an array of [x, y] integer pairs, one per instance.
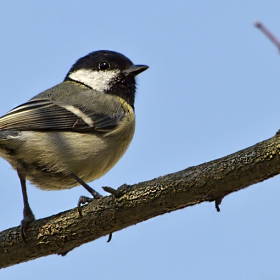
{"points": [[212, 89]]}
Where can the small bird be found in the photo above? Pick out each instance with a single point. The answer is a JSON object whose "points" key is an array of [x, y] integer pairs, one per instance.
{"points": [[74, 132]]}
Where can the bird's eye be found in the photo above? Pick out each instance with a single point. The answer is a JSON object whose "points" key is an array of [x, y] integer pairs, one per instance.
{"points": [[104, 65]]}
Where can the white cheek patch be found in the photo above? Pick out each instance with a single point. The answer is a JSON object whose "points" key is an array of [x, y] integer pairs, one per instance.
{"points": [[97, 80]]}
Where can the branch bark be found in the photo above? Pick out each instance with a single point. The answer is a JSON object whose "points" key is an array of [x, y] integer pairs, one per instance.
{"points": [[210, 181]]}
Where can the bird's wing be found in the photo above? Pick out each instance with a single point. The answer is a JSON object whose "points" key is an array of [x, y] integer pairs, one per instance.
{"points": [[41, 114]]}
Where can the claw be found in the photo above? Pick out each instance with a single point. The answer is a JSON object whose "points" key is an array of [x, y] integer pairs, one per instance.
{"points": [[24, 224], [82, 200]]}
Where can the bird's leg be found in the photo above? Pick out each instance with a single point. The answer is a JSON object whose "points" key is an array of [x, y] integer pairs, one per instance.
{"points": [[85, 199], [28, 215]]}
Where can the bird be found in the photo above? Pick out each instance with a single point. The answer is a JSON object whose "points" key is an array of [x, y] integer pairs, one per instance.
{"points": [[74, 132]]}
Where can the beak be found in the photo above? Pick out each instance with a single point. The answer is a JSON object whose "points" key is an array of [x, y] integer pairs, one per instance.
{"points": [[134, 70]]}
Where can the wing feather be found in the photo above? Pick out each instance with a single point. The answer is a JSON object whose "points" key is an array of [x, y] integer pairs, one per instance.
{"points": [[44, 115]]}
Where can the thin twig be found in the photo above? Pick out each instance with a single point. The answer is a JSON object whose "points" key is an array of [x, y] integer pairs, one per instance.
{"points": [[274, 40]]}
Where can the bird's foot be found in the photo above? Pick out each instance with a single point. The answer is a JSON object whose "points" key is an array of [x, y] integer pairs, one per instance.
{"points": [[28, 218], [83, 200]]}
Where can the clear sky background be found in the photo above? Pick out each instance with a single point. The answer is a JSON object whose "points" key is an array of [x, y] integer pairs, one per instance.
{"points": [[211, 90]]}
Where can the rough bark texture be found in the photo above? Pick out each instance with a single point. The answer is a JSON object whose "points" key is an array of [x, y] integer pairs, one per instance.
{"points": [[210, 181]]}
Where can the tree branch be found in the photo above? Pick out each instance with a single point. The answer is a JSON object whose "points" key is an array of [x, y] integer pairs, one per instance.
{"points": [[210, 181]]}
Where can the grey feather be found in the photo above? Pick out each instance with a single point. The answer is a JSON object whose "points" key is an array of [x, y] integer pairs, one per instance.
{"points": [[77, 109]]}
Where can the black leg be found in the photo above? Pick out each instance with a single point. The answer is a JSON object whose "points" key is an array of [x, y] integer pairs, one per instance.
{"points": [[84, 199], [94, 193], [28, 215]]}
